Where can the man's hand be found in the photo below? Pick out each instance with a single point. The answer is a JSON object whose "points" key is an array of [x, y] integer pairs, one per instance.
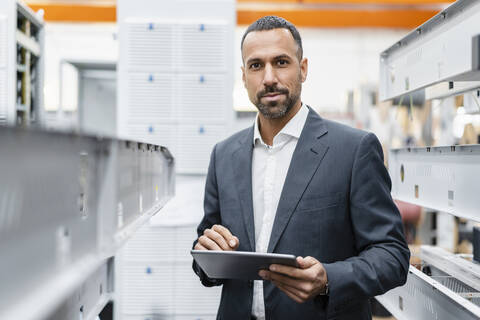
{"points": [[300, 284], [217, 238]]}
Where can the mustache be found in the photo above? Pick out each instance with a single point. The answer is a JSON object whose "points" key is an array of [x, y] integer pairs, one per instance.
{"points": [[272, 89]]}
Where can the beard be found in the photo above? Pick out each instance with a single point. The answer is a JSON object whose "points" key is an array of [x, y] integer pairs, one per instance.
{"points": [[276, 109]]}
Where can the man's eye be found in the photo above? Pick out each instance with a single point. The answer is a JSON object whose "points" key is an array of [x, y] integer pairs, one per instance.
{"points": [[282, 62], [255, 65]]}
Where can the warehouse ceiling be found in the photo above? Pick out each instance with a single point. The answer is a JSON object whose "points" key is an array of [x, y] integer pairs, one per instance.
{"points": [[304, 13]]}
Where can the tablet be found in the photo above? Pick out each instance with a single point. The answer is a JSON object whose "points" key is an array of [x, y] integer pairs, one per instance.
{"points": [[238, 264]]}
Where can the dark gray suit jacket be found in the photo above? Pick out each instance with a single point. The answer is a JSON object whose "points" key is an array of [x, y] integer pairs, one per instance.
{"points": [[335, 206]]}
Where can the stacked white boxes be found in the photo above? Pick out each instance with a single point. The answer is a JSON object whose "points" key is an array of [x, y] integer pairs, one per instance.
{"points": [[157, 280], [175, 76]]}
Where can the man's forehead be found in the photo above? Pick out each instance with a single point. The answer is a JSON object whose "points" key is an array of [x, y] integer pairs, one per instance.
{"points": [[266, 41]]}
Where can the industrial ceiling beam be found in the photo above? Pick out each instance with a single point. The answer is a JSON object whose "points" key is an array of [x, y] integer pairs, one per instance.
{"points": [[303, 13]]}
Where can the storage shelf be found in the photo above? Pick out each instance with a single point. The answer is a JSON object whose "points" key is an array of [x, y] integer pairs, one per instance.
{"points": [[449, 89], [445, 48], [69, 202], [425, 297], [28, 43], [21, 68], [440, 178]]}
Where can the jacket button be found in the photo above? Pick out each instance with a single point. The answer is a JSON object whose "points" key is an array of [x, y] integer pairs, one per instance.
{"points": [[250, 283]]}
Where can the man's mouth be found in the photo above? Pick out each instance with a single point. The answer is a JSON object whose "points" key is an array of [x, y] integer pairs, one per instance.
{"points": [[272, 96]]}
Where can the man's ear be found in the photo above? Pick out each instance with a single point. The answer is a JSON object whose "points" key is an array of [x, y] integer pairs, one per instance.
{"points": [[304, 68], [243, 76]]}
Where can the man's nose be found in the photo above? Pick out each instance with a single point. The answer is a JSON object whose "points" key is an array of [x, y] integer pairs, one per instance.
{"points": [[269, 78]]}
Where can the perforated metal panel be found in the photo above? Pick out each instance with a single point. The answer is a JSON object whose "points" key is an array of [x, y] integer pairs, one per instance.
{"points": [[3, 41], [150, 97], [3, 71], [3, 96], [195, 317], [155, 132], [202, 46], [147, 288], [202, 96], [175, 66], [157, 279], [149, 245], [195, 146], [150, 45], [169, 317], [191, 297], [423, 297]]}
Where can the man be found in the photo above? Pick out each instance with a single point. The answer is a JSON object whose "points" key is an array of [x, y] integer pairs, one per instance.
{"points": [[298, 184]]}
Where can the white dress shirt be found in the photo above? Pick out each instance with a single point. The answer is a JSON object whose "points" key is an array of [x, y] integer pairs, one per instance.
{"points": [[269, 170]]}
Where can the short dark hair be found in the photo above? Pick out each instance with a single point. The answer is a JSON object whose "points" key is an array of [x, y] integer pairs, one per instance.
{"points": [[274, 22]]}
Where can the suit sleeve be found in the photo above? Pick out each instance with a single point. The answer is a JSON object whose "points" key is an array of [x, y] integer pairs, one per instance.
{"points": [[212, 216], [383, 256]]}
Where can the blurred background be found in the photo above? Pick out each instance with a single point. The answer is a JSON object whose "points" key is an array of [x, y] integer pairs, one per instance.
{"points": [[168, 73]]}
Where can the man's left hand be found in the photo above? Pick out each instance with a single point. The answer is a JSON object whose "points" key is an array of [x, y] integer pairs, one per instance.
{"points": [[300, 284]]}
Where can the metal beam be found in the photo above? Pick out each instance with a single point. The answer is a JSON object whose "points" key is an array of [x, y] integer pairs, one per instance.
{"points": [[440, 178], [445, 48], [454, 265], [449, 89], [423, 297], [67, 204], [28, 43]]}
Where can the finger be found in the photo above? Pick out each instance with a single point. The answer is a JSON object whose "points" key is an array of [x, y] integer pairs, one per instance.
{"points": [[307, 262], [287, 270], [299, 293], [232, 240], [300, 285], [217, 237], [208, 243], [235, 247], [289, 293], [198, 246]]}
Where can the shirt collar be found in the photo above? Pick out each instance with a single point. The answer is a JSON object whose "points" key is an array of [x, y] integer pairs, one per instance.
{"points": [[293, 127]]}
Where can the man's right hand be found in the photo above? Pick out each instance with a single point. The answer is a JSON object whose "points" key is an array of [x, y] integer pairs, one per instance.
{"points": [[217, 238]]}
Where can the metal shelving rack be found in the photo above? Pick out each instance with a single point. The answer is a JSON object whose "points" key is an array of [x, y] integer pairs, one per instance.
{"points": [[21, 64], [442, 57], [67, 204]]}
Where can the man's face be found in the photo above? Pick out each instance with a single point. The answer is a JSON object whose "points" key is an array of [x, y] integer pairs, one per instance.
{"points": [[272, 72]]}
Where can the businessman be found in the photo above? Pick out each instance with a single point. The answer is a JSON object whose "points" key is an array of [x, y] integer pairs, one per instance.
{"points": [[296, 183]]}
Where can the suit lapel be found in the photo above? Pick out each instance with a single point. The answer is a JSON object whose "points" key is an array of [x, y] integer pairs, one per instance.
{"points": [[242, 165], [309, 152]]}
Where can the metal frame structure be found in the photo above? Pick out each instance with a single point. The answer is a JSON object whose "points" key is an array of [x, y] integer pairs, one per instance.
{"points": [[448, 89], [426, 297], [440, 178], [441, 56], [21, 64], [445, 48], [67, 204]]}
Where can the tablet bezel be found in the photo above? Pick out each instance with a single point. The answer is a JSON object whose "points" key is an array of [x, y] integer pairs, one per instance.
{"points": [[242, 265]]}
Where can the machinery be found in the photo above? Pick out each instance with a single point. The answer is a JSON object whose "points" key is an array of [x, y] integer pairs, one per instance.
{"points": [[21, 64], [442, 58]]}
